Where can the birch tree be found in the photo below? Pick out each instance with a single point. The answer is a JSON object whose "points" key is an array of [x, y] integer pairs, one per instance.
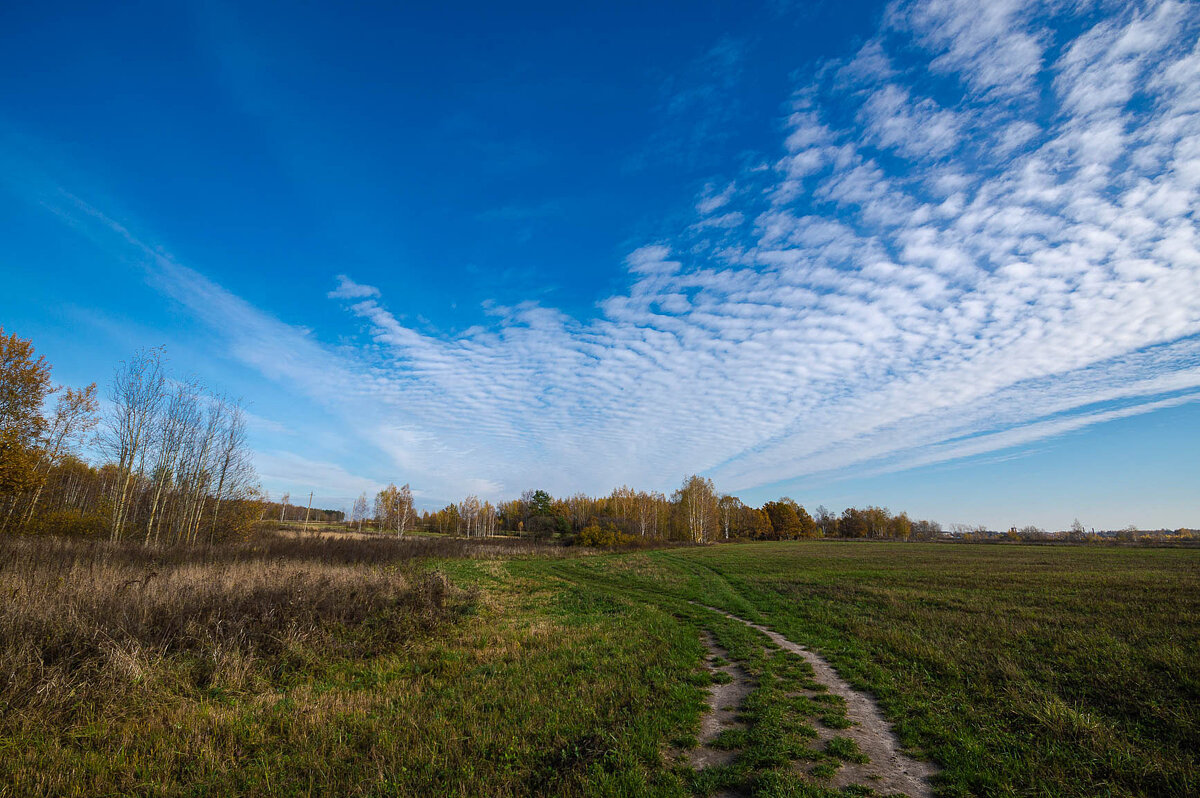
{"points": [[404, 509], [231, 464], [136, 396], [359, 511], [697, 501], [729, 507], [178, 417]]}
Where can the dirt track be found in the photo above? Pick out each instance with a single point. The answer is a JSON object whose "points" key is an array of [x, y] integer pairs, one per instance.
{"points": [[889, 770]]}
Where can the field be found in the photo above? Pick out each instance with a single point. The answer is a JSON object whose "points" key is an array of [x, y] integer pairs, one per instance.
{"points": [[437, 667]]}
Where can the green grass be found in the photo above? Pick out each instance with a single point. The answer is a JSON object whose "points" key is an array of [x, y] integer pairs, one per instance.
{"points": [[1038, 671], [1019, 670]]}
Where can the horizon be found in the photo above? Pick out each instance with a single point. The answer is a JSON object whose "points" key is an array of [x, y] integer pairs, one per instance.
{"points": [[930, 257]]}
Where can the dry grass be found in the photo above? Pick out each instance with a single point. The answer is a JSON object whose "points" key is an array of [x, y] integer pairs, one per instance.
{"points": [[82, 624]]}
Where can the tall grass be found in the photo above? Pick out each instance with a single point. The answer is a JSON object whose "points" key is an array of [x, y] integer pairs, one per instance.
{"points": [[84, 623]]}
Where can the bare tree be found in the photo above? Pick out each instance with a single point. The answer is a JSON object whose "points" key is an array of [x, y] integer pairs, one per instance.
{"points": [[1076, 532], [136, 395], [173, 424], [197, 482], [359, 512], [232, 458]]}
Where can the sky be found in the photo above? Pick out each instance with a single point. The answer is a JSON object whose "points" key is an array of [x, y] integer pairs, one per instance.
{"points": [[937, 256]]}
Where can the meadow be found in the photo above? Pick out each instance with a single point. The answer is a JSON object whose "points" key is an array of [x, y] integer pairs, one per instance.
{"points": [[432, 666]]}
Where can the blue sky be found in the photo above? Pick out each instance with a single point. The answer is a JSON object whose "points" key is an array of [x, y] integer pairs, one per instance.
{"points": [[933, 255]]}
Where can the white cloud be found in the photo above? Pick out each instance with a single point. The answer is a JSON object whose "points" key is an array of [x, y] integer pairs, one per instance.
{"points": [[988, 45], [332, 485], [348, 289]]}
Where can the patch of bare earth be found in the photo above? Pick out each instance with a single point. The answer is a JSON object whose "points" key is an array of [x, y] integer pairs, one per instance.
{"points": [[889, 770]]}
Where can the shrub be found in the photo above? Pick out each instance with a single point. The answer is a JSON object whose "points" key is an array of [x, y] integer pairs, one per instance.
{"points": [[607, 537], [68, 523]]}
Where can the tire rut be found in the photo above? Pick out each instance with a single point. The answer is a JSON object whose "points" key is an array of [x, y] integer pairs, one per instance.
{"points": [[724, 703], [889, 770]]}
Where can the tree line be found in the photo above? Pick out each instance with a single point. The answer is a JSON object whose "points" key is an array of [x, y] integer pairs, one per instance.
{"points": [[696, 512], [174, 463]]}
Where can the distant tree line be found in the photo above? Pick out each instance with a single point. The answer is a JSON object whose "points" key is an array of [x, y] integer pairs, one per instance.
{"points": [[284, 512], [696, 512], [174, 466]]}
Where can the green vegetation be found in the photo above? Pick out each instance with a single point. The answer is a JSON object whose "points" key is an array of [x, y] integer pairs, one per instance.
{"points": [[1018, 669], [429, 666]]}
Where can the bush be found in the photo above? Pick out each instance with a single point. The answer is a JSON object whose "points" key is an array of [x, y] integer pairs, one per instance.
{"points": [[544, 527], [607, 537], [68, 523]]}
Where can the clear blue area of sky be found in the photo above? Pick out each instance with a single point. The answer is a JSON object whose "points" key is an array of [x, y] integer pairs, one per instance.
{"points": [[455, 156]]}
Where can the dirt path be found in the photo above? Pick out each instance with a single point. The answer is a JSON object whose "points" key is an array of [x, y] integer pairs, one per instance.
{"points": [[724, 702], [890, 770]]}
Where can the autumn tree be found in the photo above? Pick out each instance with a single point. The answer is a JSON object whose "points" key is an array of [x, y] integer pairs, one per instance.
{"points": [[729, 508], [877, 519], [24, 385], [697, 502], [394, 508], [404, 509], [853, 524], [649, 509], [755, 524], [470, 513], [785, 524], [900, 527], [622, 507], [75, 414]]}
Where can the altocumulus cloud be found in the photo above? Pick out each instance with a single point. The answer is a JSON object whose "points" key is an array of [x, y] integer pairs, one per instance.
{"points": [[917, 278], [992, 246]]}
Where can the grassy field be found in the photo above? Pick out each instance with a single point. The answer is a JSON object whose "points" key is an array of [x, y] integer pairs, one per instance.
{"points": [[1018, 670], [428, 667]]}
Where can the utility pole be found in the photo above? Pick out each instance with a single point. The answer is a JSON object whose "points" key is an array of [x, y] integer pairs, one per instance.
{"points": [[306, 512]]}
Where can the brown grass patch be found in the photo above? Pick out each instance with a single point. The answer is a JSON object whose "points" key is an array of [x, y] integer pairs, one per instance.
{"points": [[84, 623]]}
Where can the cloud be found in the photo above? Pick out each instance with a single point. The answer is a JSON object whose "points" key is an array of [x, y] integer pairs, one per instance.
{"points": [[332, 485], [989, 46], [348, 289], [916, 279]]}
